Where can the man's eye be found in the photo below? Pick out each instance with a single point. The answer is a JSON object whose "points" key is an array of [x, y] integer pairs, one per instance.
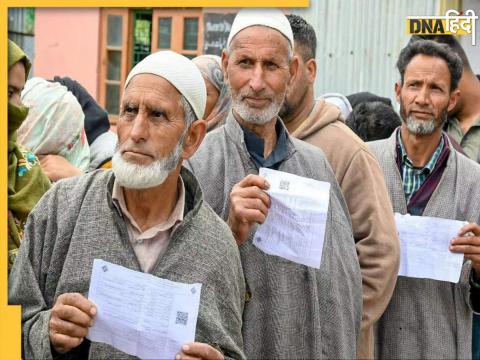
{"points": [[128, 110], [158, 114], [271, 65]]}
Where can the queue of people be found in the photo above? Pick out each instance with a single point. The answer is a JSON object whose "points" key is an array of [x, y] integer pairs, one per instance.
{"points": [[177, 194]]}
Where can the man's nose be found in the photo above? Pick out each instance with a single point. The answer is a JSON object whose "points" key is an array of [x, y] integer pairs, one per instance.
{"points": [[257, 82], [423, 96], [139, 130]]}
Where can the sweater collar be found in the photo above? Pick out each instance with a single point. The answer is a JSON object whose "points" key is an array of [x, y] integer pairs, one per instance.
{"points": [[235, 132]]}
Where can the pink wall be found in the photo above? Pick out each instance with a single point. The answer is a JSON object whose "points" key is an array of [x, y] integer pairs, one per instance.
{"points": [[67, 44]]}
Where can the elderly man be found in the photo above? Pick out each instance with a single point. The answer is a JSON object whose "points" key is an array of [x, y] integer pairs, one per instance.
{"points": [[430, 319], [147, 215], [291, 310], [359, 175]]}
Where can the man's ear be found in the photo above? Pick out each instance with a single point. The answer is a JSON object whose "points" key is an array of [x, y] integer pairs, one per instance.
{"points": [[311, 66], [194, 138], [224, 63], [398, 90], [454, 96], [293, 68]]}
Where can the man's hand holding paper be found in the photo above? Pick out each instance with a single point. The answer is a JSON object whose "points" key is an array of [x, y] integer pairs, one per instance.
{"points": [[425, 244], [249, 204], [468, 243], [141, 314], [72, 316], [295, 226]]}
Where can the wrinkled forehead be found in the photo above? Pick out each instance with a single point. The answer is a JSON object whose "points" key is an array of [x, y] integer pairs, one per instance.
{"points": [[427, 67], [260, 33], [152, 87]]}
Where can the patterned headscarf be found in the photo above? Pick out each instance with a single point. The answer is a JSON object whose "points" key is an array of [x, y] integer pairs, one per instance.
{"points": [[211, 68], [55, 123], [26, 180]]}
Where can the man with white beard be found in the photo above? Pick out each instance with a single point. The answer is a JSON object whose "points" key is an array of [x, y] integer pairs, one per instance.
{"points": [[426, 176], [292, 310], [146, 214]]}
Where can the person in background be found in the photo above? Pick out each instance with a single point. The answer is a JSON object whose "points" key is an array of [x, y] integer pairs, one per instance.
{"points": [[54, 128], [26, 181], [218, 96], [360, 178], [336, 99], [365, 96], [373, 120], [101, 139]]}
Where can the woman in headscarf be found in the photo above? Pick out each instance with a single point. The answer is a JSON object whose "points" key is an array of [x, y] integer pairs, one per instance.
{"points": [[54, 126], [101, 139], [26, 181], [218, 97]]}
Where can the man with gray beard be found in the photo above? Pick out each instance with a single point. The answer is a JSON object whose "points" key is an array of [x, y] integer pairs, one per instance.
{"points": [[292, 310], [146, 214], [426, 176]]}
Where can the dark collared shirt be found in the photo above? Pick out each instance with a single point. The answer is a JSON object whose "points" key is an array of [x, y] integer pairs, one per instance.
{"points": [[256, 146]]}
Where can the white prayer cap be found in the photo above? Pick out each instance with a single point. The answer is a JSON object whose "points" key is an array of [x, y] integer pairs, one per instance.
{"points": [[269, 17], [180, 72]]}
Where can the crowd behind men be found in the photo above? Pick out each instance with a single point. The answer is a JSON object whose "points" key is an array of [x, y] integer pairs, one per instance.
{"points": [[256, 305]]}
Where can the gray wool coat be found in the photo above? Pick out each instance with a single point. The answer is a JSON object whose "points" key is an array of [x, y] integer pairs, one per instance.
{"points": [[429, 319], [77, 222], [292, 311]]}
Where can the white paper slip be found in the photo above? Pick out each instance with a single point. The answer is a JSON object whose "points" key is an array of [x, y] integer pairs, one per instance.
{"points": [[141, 314], [424, 243], [295, 225]]}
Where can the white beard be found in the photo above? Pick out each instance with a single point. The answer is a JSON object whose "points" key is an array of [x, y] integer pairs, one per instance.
{"points": [[420, 127], [135, 176], [257, 116]]}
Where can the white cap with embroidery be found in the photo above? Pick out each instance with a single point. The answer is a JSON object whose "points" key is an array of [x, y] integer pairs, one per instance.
{"points": [[269, 17], [182, 73]]}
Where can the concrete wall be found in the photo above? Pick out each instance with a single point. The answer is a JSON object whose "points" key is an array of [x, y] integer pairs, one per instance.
{"points": [[67, 44]]}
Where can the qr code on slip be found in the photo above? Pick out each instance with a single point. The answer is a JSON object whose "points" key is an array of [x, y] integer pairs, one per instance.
{"points": [[182, 318], [284, 185]]}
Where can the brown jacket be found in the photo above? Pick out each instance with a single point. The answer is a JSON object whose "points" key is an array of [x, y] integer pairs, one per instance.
{"points": [[365, 192]]}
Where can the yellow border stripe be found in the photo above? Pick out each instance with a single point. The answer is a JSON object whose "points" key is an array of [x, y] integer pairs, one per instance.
{"points": [[9, 315], [163, 3]]}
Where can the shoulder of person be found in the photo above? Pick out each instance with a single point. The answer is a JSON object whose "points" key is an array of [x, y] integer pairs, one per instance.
{"points": [[214, 230], [85, 181], [306, 149], [468, 166], [378, 147]]}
